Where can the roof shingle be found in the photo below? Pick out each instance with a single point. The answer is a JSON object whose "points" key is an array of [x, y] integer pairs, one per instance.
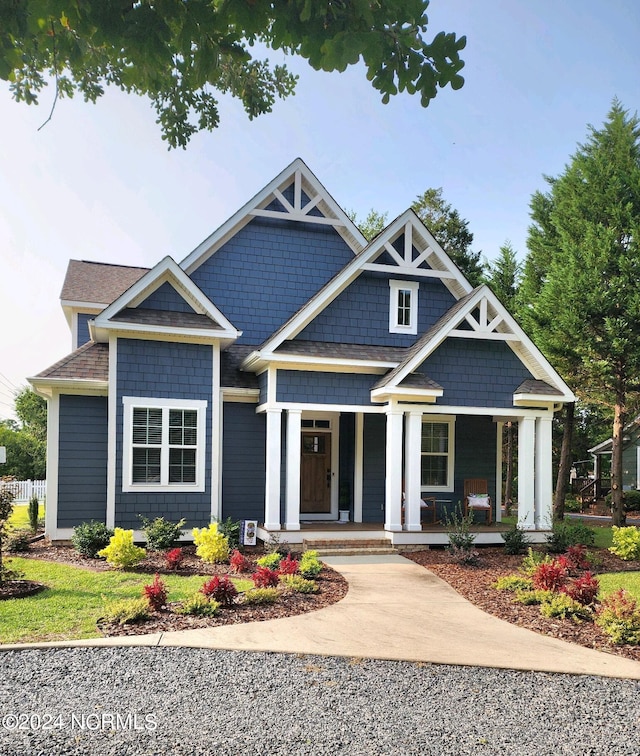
{"points": [[88, 363], [99, 283]]}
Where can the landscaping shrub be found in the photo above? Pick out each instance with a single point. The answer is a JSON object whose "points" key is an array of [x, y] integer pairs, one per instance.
{"points": [[271, 561], [619, 618], [276, 546], [459, 531], [310, 566], [583, 589], [513, 583], [199, 605], [549, 577], [212, 546], [7, 496], [470, 557], [221, 589], [174, 558], [288, 565], [121, 551], [515, 540], [577, 557], [298, 584], [263, 577], [231, 530], [90, 537], [125, 611], [533, 597], [34, 506], [239, 562], [19, 541], [626, 543], [532, 560], [156, 593], [569, 534], [160, 533], [564, 607], [261, 596], [630, 500]]}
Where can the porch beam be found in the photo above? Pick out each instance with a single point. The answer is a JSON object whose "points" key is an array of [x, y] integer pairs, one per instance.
{"points": [[543, 513], [273, 463], [292, 505], [526, 473], [412, 454], [393, 471]]}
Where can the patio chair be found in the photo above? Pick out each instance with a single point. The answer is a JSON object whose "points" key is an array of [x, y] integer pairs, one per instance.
{"points": [[476, 496]]}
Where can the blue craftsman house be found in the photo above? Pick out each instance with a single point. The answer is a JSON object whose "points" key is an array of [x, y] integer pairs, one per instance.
{"points": [[288, 371]]}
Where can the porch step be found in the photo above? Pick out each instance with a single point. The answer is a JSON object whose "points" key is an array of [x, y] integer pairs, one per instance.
{"points": [[349, 547]]}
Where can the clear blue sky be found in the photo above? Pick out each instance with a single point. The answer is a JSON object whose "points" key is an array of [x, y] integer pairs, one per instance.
{"points": [[97, 183]]}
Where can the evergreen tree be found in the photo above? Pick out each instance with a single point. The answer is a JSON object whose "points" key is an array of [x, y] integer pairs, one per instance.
{"points": [[503, 275]]}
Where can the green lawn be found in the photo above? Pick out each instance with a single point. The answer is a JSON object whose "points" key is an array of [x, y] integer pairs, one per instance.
{"points": [[612, 581], [19, 519], [74, 599]]}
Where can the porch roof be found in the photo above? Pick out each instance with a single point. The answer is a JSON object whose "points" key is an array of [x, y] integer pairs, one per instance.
{"points": [[88, 363]]}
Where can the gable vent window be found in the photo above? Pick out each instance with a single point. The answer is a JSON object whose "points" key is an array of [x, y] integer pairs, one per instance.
{"points": [[403, 307], [164, 445]]}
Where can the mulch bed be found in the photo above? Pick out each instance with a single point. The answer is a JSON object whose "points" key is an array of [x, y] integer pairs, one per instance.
{"points": [[474, 583], [19, 589], [332, 587]]}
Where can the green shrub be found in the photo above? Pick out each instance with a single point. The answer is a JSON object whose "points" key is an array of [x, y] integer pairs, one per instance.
{"points": [[563, 606], [212, 546], [529, 598], [569, 534], [630, 500], [19, 541], [231, 530], [310, 566], [125, 611], [515, 540], [513, 583], [7, 495], [459, 531], [299, 584], [198, 604], [571, 504], [532, 560], [121, 551], [34, 506], [261, 596], [90, 537], [271, 561], [626, 543], [619, 618], [160, 533]]}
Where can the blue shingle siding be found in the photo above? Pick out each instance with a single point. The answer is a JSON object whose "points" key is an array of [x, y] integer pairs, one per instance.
{"points": [[82, 471], [324, 388], [166, 298], [374, 468], [347, 448], [243, 462], [475, 373], [268, 270], [360, 315], [163, 370], [83, 328], [263, 383]]}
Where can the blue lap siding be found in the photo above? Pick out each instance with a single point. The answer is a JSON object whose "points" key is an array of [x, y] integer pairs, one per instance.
{"points": [[82, 450], [163, 370]]}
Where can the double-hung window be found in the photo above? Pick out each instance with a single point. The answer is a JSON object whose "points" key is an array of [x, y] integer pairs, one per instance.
{"points": [[437, 458], [403, 306], [164, 444]]}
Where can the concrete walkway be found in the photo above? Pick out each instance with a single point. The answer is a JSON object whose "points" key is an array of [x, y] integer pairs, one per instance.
{"points": [[394, 609]]}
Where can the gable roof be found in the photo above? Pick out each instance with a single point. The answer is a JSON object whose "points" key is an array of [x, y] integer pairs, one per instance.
{"points": [[312, 203], [97, 283], [85, 370], [205, 322]]}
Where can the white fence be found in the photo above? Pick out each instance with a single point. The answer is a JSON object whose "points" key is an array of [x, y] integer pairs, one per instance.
{"points": [[25, 489]]}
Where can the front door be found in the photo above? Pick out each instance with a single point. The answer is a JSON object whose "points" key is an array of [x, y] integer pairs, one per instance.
{"points": [[315, 473]]}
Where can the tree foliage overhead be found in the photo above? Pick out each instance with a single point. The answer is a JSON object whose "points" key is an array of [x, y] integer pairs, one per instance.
{"points": [[503, 275], [177, 52]]}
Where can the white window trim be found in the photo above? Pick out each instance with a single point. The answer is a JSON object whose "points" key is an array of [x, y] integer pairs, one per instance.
{"points": [[131, 402], [395, 287], [450, 420]]}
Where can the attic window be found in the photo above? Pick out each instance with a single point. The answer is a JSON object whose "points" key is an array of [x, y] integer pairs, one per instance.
{"points": [[403, 307]]}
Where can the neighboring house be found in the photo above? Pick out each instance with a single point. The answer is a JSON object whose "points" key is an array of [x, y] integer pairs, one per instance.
{"points": [[601, 454], [286, 369]]}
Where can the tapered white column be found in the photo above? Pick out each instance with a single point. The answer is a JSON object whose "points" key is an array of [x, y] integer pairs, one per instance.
{"points": [[412, 458], [544, 473], [358, 468], [526, 473], [498, 500], [292, 507], [272, 485], [393, 482]]}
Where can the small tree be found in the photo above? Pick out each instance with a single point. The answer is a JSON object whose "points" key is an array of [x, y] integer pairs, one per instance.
{"points": [[7, 496]]}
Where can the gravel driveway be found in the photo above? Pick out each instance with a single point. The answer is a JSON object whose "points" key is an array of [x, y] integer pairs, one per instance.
{"points": [[143, 701]]}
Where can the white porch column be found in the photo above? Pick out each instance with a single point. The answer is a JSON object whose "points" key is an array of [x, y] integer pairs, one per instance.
{"points": [[498, 500], [544, 471], [272, 485], [292, 507], [526, 473], [412, 455], [358, 468], [393, 481]]}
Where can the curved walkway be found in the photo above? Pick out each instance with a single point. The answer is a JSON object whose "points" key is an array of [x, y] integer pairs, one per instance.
{"points": [[394, 609]]}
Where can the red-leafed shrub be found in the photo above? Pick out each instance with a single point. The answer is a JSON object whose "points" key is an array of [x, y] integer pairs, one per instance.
{"points": [[549, 576], [174, 558], [288, 565], [577, 557], [239, 562], [583, 589], [220, 589], [263, 577], [564, 562], [156, 593]]}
